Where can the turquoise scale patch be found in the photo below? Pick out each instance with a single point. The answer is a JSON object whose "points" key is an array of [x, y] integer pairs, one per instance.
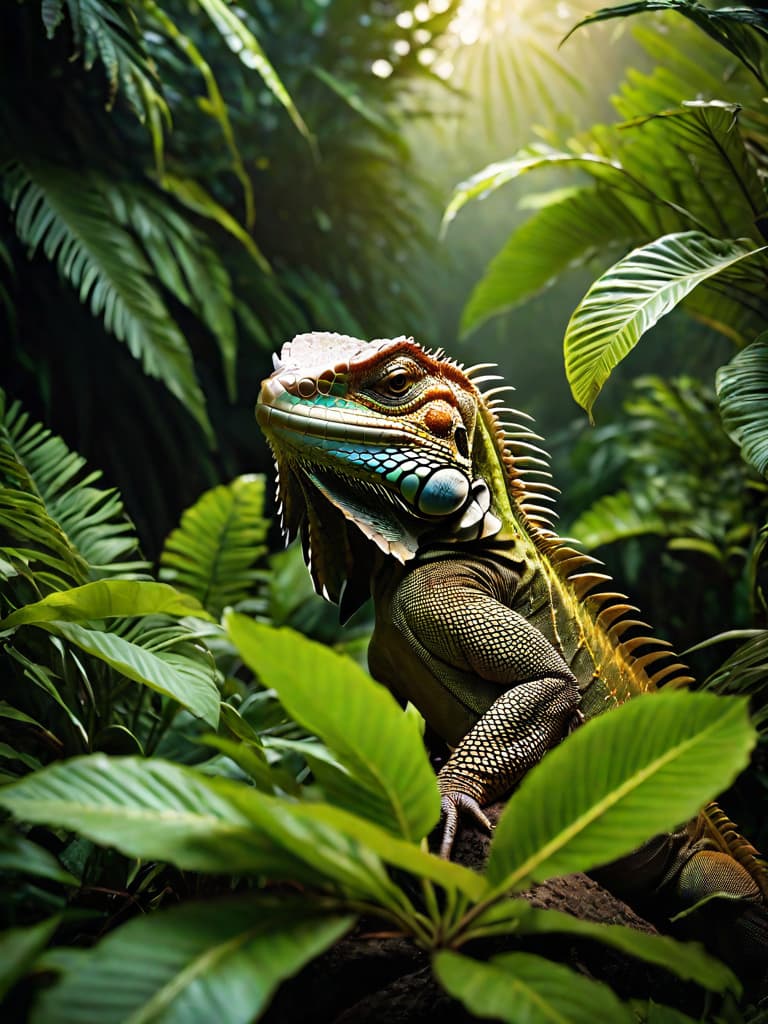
{"points": [[409, 485]]}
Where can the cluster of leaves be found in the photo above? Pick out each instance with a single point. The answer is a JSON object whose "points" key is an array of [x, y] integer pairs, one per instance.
{"points": [[165, 183], [679, 181], [186, 768]]}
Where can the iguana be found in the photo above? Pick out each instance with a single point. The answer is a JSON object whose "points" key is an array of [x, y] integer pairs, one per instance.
{"points": [[407, 482]]}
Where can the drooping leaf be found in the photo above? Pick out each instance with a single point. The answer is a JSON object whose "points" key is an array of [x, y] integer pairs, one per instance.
{"points": [[630, 297], [662, 756], [615, 517], [201, 962], [742, 391], [213, 553], [106, 599], [531, 158], [559, 236], [70, 219], [520, 987], [19, 947], [19, 854], [359, 720], [187, 676], [687, 960]]}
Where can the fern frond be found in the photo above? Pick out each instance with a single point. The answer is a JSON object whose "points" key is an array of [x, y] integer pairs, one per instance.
{"points": [[69, 217], [214, 552], [56, 527]]}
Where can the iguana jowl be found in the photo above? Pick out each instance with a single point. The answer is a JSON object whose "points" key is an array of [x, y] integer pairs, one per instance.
{"points": [[404, 480]]}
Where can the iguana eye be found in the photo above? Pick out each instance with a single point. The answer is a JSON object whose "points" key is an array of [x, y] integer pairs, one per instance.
{"points": [[396, 383]]}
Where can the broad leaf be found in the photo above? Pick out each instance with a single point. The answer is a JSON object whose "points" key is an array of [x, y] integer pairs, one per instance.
{"points": [[19, 854], [662, 756], [18, 949], [187, 676], [559, 236], [156, 810], [358, 718], [742, 390], [616, 517], [687, 960], [106, 599], [524, 989], [195, 964], [633, 295], [213, 553]]}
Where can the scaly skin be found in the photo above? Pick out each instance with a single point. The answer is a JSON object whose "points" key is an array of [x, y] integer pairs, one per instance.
{"points": [[404, 480]]}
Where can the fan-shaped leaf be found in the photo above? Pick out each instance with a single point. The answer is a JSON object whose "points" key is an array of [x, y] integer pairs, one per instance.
{"points": [[202, 962], [742, 390], [560, 235], [517, 987], [213, 553], [662, 757], [630, 297], [616, 517], [106, 599], [359, 720]]}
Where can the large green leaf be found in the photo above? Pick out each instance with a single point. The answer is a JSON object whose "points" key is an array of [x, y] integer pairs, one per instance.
{"points": [[742, 390], [560, 235], [213, 553], [661, 757], [687, 960], [106, 599], [524, 989], [635, 293], [156, 810], [185, 675], [195, 964], [359, 720], [616, 517]]}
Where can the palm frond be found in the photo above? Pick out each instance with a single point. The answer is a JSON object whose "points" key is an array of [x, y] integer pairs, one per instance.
{"points": [[214, 552], [742, 390], [70, 218], [58, 529], [629, 298], [560, 235]]}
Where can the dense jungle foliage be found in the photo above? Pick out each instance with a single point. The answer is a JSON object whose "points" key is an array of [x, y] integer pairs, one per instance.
{"points": [[202, 788]]}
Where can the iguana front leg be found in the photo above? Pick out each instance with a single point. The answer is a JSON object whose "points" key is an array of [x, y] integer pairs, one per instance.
{"points": [[452, 615]]}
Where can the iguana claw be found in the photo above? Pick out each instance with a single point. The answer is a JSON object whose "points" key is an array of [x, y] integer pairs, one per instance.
{"points": [[450, 805]]}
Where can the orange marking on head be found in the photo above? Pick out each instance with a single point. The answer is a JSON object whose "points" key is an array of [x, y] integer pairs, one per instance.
{"points": [[438, 421]]}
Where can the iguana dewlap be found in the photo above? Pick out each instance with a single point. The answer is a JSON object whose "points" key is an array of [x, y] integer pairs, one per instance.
{"points": [[405, 481]]}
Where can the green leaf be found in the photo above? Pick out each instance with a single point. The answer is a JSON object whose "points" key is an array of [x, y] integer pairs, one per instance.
{"points": [[106, 599], [18, 949], [742, 391], [531, 158], [633, 295], [213, 553], [195, 964], [187, 679], [242, 41], [661, 757], [156, 810], [524, 989], [17, 853], [561, 235], [70, 217], [358, 718], [616, 517], [687, 960]]}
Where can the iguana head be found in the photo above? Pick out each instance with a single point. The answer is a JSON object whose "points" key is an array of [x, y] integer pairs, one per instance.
{"points": [[381, 437]]}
